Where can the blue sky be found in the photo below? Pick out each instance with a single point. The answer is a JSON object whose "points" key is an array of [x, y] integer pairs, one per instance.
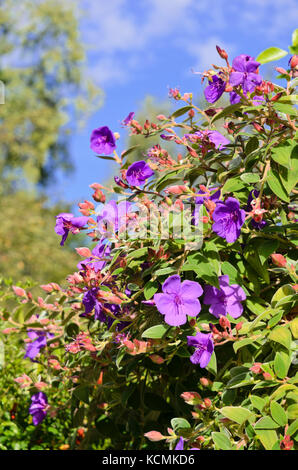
{"points": [[142, 47]]}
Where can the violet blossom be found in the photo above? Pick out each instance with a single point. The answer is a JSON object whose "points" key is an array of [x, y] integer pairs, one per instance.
{"points": [[228, 219], [178, 300], [208, 137], [204, 348], [113, 217], [39, 342], [244, 73], [38, 407], [102, 141], [225, 300], [96, 261], [67, 222], [215, 89], [128, 119], [138, 172]]}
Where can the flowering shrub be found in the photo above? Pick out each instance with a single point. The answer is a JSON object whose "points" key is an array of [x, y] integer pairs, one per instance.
{"points": [[178, 328]]}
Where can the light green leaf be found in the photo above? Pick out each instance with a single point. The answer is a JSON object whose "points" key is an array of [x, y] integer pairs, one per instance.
{"points": [[179, 423], [267, 437], [237, 414], [281, 335], [282, 362], [221, 440], [271, 54], [155, 332], [278, 413], [266, 423]]}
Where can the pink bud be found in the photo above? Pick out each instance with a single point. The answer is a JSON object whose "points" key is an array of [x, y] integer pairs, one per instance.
{"points": [[161, 117], [294, 61], [279, 260], [83, 251], [154, 436], [204, 381], [19, 291], [224, 322], [156, 359]]}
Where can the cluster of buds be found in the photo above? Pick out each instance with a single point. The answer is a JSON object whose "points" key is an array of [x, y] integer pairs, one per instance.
{"points": [[86, 207], [98, 195], [160, 156], [257, 368], [82, 342], [136, 347]]}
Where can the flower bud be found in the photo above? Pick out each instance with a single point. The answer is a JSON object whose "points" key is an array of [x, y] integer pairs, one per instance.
{"points": [[279, 260], [239, 326], [19, 291], [293, 62], [204, 381], [83, 251], [224, 322], [222, 53], [207, 402], [161, 117], [191, 113], [154, 436]]}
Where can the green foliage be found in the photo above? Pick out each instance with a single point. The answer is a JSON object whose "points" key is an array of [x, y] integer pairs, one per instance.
{"points": [[42, 75]]}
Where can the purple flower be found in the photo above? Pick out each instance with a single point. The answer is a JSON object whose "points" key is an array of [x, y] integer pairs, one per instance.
{"points": [[235, 98], [91, 302], [67, 222], [38, 407], [128, 119], [204, 348], [207, 136], [40, 341], [113, 216], [215, 89], [225, 300], [244, 75], [102, 141], [138, 172], [178, 300], [228, 219], [95, 262], [180, 444]]}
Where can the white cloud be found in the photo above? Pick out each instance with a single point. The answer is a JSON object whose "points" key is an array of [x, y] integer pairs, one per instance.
{"points": [[120, 33]]}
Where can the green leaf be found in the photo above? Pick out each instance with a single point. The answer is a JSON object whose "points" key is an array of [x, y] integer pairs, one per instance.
{"points": [[250, 178], [237, 414], [179, 423], [295, 38], [82, 393], [155, 332], [281, 335], [257, 402], [128, 151], [150, 288], [293, 411], [271, 54], [232, 185], [181, 111], [267, 437], [278, 413], [228, 111], [281, 293], [282, 154], [282, 362], [276, 186], [251, 146], [294, 327], [265, 248], [221, 440], [243, 342], [292, 428], [266, 423], [138, 253], [212, 366]]}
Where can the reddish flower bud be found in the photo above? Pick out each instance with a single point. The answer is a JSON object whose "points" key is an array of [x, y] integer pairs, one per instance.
{"points": [[281, 70], [191, 398], [191, 113], [154, 436], [83, 251], [161, 117], [258, 127], [267, 376], [19, 291], [207, 402], [294, 61], [239, 326], [256, 368], [222, 53], [204, 381], [224, 322], [279, 260]]}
